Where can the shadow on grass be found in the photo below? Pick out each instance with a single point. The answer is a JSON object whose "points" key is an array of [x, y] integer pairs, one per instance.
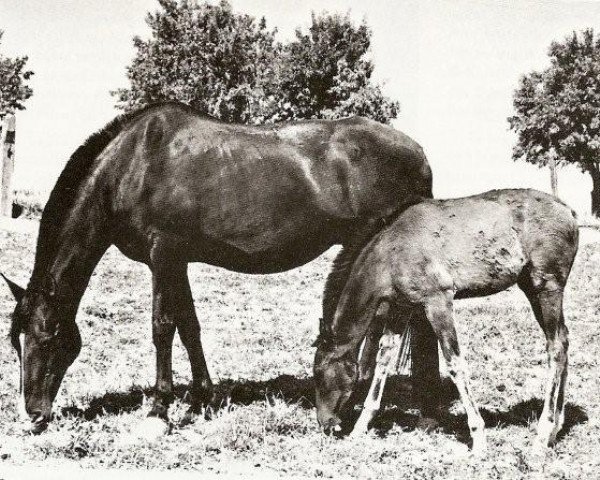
{"points": [[521, 414], [227, 392], [300, 391]]}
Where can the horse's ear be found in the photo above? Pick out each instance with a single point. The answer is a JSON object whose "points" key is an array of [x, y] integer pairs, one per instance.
{"points": [[325, 334], [49, 285], [17, 291]]}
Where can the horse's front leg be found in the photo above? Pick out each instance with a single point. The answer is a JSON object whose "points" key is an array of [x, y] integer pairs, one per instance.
{"points": [[189, 332], [173, 308], [163, 331], [164, 318]]}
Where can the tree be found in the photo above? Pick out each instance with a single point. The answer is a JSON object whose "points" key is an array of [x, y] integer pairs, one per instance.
{"points": [[557, 110], [325, 73], [13, 88], [205, 56], [231, 66], [13, 92]]}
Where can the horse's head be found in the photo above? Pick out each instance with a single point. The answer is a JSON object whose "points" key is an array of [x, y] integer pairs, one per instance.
{"points": [[336, 376], [47, 341]]}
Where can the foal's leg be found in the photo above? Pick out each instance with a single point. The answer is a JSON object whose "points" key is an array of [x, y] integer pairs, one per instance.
{"points": [[387, 356], [370, 346], [438, 310], [547, 308]]}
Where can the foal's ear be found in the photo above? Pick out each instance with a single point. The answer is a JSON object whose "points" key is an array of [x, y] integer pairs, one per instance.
{"points": [[17, 291]]}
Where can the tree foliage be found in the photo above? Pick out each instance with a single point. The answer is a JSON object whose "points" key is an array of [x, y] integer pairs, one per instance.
{"points": [[231, 66], [557, 110], [203, 55], [326, 74], [13, 87]]}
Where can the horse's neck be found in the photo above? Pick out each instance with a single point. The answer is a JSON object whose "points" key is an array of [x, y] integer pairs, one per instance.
{"points": [[81, 240]]}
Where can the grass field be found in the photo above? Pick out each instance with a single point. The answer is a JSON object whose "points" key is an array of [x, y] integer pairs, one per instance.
{"points": [[257, 332]]}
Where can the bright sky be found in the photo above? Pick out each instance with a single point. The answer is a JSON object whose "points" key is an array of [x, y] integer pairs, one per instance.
{"points": [[453, 65]]}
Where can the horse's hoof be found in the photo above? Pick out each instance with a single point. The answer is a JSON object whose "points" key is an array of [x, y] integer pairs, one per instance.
{"points": [[202, 396], [149, 430], [192, 415], [35, 427]]}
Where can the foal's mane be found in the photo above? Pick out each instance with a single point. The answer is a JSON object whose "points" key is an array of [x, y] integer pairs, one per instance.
{"points": [[342, 265], [64, 194]]}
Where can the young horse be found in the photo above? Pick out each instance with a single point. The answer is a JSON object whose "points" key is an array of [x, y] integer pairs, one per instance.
{"points": [[169, 186], [434, 252]]}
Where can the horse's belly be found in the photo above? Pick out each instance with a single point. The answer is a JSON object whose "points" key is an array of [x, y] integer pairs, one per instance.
{"points": [[490, 271], [260, 256]]}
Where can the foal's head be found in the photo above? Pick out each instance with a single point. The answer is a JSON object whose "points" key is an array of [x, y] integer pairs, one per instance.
{"points": [[47, 341], [336, 376]]}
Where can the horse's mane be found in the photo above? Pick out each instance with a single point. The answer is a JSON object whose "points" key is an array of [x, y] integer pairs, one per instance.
{"points": [[342, 265], [64, 194]]}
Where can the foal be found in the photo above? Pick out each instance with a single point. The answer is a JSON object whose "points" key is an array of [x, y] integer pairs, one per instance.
{"points": [[434, 252]]}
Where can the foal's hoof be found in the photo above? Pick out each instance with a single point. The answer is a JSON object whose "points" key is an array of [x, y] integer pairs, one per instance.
{"points": [[427, 424], [358, 433], [149, 430], [546, 434], [334, 431], [479, 446]]}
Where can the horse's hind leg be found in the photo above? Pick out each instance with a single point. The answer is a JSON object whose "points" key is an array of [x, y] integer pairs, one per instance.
{"points": [[547, 305], [425, 373], [438, 310]]}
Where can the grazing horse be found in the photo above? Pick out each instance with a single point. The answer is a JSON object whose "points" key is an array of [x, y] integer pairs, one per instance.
{"points": [[434, 252], [169, 186]]}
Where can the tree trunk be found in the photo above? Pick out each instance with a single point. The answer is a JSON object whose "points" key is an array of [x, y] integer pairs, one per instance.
{"points": [[553, 176], [7, 164], [595, 193]]}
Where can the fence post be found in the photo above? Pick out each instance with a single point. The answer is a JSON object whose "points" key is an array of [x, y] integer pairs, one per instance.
{"points": [[7, 164]]}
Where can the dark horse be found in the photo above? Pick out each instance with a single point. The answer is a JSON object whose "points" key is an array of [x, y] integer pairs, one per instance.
{"points": [[434, 252], [169, 186]]}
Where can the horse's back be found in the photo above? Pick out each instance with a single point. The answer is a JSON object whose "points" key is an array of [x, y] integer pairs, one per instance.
{"points": [[480, 244], [256, 192]]}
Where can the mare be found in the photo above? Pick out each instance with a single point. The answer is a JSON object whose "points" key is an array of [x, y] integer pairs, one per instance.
{"points": [[168, 185], [434, 252]]}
